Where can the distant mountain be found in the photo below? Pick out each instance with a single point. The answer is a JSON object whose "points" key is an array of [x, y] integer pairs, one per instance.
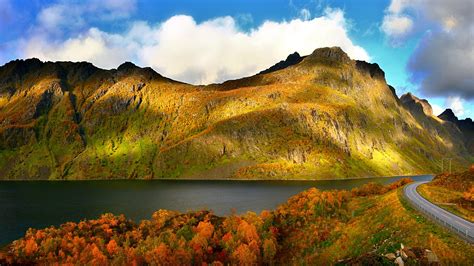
{"points": [[466, 126], [319, 116], [418, 107], [291, 60]]}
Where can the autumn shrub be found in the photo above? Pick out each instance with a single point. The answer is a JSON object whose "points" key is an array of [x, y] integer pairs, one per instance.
{"points": [[372, 188], [469, 195], [461, 182], [305, 223]]}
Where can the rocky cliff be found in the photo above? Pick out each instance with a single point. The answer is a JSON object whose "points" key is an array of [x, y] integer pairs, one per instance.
{"points": [[319, 116]]}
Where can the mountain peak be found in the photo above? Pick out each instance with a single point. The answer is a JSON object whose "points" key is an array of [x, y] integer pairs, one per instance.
{"points": [[21, 66], [127, 66], [415, 104], [448, 115], [333, 54], [372, 69], [293, 56], [291, 60]]}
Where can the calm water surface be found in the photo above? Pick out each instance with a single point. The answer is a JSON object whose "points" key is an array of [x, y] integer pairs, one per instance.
{"points": [[39, 204]]}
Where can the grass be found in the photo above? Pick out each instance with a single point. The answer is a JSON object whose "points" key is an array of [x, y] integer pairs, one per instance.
{"points": [[447, 199], [346, 124], [312, 228], [381, 223]]}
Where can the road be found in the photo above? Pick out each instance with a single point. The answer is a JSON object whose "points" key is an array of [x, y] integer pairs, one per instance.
{"points": [[453, 222]]}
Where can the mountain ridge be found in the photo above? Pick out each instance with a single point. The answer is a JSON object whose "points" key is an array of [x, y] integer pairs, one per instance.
{"points": [[326, 116]]}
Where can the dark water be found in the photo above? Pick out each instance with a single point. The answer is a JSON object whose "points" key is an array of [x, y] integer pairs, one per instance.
{"points": [[40, 204]]}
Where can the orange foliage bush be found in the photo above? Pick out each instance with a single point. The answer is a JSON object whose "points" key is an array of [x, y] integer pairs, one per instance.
{"points": [[371, 188], [174, 238], [469, 195], [461, 182]]}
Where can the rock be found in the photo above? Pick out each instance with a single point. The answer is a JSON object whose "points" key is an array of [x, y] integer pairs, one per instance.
{"points": [[297, 156], [373, 70], [416, 105], [431, 257], [291, 60], [126, 66], [403, 255], [410, 254], [399, 261], [331, 53], [390, 256], [448, 115]]}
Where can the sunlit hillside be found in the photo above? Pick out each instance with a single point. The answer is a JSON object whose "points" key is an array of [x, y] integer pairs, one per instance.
{"points": [[325, 117]]}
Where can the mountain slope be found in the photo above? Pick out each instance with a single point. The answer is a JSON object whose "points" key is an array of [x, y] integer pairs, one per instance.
{"points": [[324, 117], [466, 126]]}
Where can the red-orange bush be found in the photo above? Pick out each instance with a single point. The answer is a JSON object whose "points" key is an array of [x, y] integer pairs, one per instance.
{"points": [[195, 238]]}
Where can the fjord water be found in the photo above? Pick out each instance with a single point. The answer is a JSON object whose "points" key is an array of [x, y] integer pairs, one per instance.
{"points": [[39, 204]]}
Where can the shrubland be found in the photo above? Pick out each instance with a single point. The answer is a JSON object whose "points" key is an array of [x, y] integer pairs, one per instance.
{"points": [[311, 227]]}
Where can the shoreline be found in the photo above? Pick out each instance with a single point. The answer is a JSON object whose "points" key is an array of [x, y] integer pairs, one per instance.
{"points": [[214, 179]]}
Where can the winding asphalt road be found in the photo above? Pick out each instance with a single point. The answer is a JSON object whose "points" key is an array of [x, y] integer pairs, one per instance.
{"points": [[453, 222]]}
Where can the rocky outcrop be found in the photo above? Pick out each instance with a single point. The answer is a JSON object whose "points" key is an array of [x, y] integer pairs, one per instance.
{"points": [[416, 105], [329, 54], [291, 60], [373, 70], [404, 255], [448, 115]]}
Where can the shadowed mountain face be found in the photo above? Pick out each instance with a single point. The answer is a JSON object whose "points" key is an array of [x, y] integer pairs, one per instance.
{"points": [[466, 126], [319, 116], [418, 107], [291, 60]]}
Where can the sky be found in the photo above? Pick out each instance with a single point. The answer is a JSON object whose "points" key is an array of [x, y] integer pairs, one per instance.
{"points": [[424, 46]]}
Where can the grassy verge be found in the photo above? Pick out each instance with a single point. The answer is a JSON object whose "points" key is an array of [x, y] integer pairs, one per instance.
{"points": [[381, 223], [447, 199]]}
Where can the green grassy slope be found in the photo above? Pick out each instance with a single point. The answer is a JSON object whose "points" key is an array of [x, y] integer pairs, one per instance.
{"points": [[326, 117]]}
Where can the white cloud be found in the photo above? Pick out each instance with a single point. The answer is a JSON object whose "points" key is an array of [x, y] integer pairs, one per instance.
{"points": [[72, 15], [305, 14], [443, 60], [448, 14], [437, 110], [396, 25], [456, 104], [104, 50], [443, 63], [211, 51], [397, 6]]}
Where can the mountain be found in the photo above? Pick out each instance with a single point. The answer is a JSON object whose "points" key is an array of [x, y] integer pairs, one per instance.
{"points": [[292, 59], [326, 116], [418, 107], [466, 126]]}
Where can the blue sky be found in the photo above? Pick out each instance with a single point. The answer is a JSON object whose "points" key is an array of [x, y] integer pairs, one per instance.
{"points": [[421, 45]]}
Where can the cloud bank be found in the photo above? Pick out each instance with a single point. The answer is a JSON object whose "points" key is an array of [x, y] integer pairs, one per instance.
{"points": [[181, 48], [442, 63]]}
